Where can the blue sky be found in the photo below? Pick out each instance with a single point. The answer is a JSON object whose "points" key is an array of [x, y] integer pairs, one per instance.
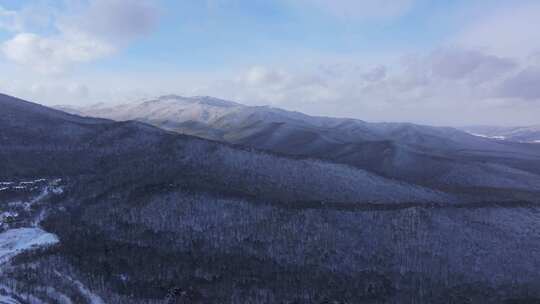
{"points": [[196, 35], [436, 62]]}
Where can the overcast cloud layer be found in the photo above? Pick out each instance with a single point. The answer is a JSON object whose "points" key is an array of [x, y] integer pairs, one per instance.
{"points": [[336, 58]]}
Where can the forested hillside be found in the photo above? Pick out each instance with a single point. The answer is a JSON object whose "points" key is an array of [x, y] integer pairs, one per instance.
{"points": [[123, 212]]}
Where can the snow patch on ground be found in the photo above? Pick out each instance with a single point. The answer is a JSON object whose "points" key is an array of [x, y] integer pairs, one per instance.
{"points": [[88, 294], [15, 241], [487, 136], [7, 297], [8, 300]]}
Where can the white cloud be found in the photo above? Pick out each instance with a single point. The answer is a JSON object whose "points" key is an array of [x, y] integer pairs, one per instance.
{"points": [[112, 20], [523, 85], [375, 74], [86, 31], [511, 30], [444, 86], [455, 63], [51, 91], [262, 76], [52, 54]]}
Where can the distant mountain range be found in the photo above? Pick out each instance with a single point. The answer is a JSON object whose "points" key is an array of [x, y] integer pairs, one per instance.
{"points": [[430, 156], [262, 206], [530, 134]]}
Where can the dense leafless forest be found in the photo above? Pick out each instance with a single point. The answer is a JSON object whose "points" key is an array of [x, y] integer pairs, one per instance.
{"points": [[97, 211]]}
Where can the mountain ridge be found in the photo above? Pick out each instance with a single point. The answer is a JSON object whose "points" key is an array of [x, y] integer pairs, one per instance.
{"points": [[112, 139], [414, 153]]}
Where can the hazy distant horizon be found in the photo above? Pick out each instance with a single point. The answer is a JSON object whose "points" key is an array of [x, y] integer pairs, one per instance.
{"points": [[143, 99], [417, 61]]}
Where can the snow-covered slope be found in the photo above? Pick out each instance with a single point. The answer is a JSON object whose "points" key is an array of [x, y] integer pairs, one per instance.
{"points": [[220, 119], [410, 152], [529, 134], [15, 241]]}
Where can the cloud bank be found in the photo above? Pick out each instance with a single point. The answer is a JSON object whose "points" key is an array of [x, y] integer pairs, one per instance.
{"points": [[446, 86]]}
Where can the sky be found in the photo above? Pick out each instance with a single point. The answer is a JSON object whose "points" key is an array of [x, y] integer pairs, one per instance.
{"points": [[438, 62]]}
